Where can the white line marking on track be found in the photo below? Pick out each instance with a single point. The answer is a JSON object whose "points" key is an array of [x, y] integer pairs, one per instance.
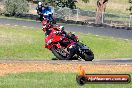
{"points": [[16, 25], [126, 39], [30, 27], [7, 24], [24, 26]]}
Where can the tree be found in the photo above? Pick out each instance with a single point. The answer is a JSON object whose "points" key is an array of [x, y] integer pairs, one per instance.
{"points": [[16, 7], [130, 8], [86, 1], [101, 7], [130, 1], [62, 3]]}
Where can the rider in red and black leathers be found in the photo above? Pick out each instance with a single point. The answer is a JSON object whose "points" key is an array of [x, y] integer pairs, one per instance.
{"points": [[48, 27]]}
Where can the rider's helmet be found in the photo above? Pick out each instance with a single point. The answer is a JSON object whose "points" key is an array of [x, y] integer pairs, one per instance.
{"points": [[40, 3]]}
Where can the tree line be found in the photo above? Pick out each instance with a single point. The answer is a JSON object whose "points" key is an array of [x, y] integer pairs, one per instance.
{"points": [[21, 6]]}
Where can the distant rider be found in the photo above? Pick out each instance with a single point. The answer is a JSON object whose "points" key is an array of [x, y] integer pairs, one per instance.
{"points": [[47, 12], [39, 11]]}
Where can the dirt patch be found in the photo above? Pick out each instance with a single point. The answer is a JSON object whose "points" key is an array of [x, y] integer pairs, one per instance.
{"points": [[8, 68]]}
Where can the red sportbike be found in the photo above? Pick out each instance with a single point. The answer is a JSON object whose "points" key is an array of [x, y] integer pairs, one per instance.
{"points": [[65, 46]]}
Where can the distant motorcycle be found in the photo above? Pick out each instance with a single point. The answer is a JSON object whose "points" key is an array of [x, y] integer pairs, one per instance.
{"points": [[63, 45]]}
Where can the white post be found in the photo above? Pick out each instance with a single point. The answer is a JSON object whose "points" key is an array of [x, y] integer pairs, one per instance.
{"points": [[53, 10], [77, 14], [130, 20]]}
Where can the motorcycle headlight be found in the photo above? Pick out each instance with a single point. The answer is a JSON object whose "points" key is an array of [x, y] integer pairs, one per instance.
{"points": [[49, 42], [44, 26], [70, 46]]}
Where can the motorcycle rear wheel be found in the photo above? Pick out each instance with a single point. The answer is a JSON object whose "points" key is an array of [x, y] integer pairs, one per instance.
{"points": [[54, 50]]}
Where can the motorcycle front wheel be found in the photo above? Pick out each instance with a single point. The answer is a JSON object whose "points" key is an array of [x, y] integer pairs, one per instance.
{"points": [[88, 56], [86, 53]]}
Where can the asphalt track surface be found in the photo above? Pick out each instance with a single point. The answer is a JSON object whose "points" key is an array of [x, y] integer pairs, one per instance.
{"points": [[112, 32], [98, 62], [115, 33]]}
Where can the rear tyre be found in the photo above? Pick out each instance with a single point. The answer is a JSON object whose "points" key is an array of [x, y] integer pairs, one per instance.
{"points": [[59, 55]]}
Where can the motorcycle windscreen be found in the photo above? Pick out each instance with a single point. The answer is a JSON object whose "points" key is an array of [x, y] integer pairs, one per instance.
{"points": [[47, 11]]}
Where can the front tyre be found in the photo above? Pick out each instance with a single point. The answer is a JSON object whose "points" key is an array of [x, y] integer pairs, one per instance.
{"points": [[88, 56], [85, 53]]}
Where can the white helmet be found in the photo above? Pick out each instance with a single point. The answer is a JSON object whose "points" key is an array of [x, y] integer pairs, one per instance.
{"points": [[40, 3]]}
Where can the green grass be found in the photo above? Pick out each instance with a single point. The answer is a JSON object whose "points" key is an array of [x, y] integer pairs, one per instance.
{"points": [[22, 43], [12, 17], [26, 44], [49, 80]]}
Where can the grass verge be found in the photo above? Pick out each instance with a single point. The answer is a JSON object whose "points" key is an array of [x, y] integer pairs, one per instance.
{"points": [[26, 43], [49, 80], [12, 17]]}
